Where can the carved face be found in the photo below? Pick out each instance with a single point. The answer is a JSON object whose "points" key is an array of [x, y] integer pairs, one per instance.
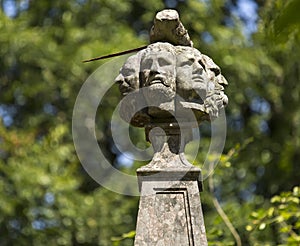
{"points": [[128, 78], [191, 76], [158, 80], [159, 68]]}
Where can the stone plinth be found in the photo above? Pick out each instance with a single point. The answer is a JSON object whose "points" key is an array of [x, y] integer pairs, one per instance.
{"points": [[170, 87], [170, 210]]}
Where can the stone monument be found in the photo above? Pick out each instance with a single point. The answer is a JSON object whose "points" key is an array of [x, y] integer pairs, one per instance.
{"points": [[169, 88]]}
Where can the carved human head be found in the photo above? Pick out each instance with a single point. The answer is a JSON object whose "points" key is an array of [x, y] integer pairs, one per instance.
{"points": [[128, 78], [172, 79], [191, 80], [158, 78]]}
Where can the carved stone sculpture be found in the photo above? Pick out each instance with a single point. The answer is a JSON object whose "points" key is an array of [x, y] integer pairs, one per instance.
{"points": [[168, 88], [158, 77], [173, 78], [168, 28]]}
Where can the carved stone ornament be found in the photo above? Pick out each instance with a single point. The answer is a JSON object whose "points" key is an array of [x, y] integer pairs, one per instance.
{"points": [[168, 77], [169, 88]]}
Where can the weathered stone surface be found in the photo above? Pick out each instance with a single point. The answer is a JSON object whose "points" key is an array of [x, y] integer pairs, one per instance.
{"points": [[170, 213], [128, 78], [168, 28], [170, 210], [169, 88], [158, 76], [168, 81]]}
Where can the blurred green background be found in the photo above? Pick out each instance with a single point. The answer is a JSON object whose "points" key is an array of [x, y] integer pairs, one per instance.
{"points": [[46, 198]]}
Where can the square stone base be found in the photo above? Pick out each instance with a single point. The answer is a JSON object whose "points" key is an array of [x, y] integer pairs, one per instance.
{"points": [[170, 211]]}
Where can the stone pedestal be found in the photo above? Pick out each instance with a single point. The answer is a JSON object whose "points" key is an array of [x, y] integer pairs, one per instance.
{"points": [[170, 210], [168, 88]]}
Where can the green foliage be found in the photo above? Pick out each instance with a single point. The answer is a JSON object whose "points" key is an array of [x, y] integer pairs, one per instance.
{"points": [[41, 198], [283, 214], [117, 240], [288, 21]]}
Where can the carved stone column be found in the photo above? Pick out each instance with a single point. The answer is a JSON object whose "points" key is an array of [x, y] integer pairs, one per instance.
{"points": [[169, 88], [170, 210]]}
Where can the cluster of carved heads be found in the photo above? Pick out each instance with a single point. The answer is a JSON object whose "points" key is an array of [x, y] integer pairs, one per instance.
{"points": [[164, 81]]}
